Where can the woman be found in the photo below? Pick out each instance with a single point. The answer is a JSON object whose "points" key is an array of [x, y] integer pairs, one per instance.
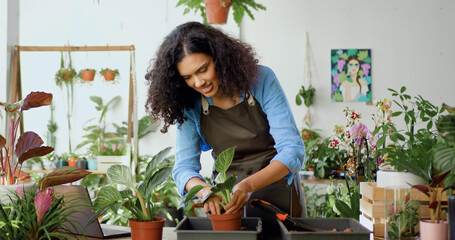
{"points": [[355, 87], [212, 87]]}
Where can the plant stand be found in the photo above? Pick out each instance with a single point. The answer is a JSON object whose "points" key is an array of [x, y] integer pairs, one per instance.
{"points": [[373, 206], [16, 86]]}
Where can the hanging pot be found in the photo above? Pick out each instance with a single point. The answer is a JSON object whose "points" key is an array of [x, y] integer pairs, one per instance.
{"points": [[226, 222], [109, 75], [67, 76], [147, 230], [217, 11], [87, 75], [434, 231]]}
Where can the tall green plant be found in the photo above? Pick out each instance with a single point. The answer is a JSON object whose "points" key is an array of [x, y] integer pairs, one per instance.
{"points": [[96, 134], [137, 198], [51, 128]]}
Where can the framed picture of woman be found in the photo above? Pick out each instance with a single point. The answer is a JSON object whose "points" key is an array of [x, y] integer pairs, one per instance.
{"points": [[351, 75]]}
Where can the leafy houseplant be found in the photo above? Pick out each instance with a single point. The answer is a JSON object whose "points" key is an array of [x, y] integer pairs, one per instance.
{"points": [[97, 135], [222, 185], [28, 145], [40, 214], [306, 95], [403, 218], [87, 75], [240, 7], [137, 198], [109, 74]]}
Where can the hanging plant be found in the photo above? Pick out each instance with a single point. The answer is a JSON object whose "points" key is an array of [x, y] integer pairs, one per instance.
{"points": [[65, 77], [109, 74], [87, 75], [306, 95]]}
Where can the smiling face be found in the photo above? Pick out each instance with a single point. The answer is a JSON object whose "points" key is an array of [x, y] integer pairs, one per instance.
{"points": [[198, 71]]}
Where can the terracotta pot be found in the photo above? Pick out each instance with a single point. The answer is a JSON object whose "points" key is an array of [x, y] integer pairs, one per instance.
{"points": [[67, 76], [226, 222], [434, 231], [109, 75], [217, 11], [87, 75], [72, 162], [147, 230]]}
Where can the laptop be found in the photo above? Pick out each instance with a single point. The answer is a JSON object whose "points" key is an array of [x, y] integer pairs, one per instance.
{"points": [[79, 194]]}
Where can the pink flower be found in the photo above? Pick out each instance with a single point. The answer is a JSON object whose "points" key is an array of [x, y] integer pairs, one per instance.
{"points": [[120, 147], [43, 202], [334, 143], [20, 192], [103, 148], [113, 147], [359, 130]]}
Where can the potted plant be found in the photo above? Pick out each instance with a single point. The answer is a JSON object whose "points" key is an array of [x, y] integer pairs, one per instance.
{"points": [[109, 74], [137, 198], [403, 218], [209, 9], [40, 214], [222, 185], [27, 145], [306, 95], [87, 75]]}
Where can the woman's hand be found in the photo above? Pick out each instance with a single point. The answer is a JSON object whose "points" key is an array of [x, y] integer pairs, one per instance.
{"points": [[239, 198], [212, 204]]}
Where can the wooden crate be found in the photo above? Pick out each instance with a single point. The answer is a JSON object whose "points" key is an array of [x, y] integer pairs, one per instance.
{"points": [[373, 205]]}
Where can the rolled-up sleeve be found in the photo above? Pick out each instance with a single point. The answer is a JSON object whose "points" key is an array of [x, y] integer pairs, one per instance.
{"points": [[288, 143], [187, 158]]}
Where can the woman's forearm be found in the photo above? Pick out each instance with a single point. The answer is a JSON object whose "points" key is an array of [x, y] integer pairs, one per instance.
{"points": [[197, 181]]}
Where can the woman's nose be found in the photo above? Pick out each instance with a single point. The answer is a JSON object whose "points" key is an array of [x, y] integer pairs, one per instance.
{"points": [[198, 81]]}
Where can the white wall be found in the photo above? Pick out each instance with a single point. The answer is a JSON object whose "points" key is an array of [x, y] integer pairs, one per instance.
{"points": [[412, 42]]}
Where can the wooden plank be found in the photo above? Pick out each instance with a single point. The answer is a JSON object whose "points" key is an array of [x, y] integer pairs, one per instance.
{"points": [[370, 191], [73, 48]]}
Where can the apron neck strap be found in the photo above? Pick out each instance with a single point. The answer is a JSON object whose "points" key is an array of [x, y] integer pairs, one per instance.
{"points": [[205, 104]]}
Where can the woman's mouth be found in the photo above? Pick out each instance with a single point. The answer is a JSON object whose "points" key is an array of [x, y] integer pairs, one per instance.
{"points": [[207, 89]]}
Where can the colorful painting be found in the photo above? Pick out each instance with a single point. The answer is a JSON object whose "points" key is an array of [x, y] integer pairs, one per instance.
{"points": [[351, 75]]}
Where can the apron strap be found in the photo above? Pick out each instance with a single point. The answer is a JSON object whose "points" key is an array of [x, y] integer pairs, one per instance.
{"points": [[205, 104]]}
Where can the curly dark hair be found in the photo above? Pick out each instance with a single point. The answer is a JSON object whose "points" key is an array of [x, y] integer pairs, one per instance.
{"points": [[169, 95]]}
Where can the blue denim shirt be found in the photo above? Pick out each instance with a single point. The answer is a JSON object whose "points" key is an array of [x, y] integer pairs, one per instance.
{"points": [[190, 140]]}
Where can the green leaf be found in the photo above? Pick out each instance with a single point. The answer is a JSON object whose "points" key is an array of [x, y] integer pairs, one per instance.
{"points": [[403, 89], [121, 174], [97, 100], [381, 141], [107, 196], [344, 209], [156, 179], [191, 194], [157, 159], [396, 114], [298, 100], [444, 157], [224, 160]]}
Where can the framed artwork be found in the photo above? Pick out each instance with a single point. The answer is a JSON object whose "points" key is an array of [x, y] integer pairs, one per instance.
{"points": [[351, 75]]}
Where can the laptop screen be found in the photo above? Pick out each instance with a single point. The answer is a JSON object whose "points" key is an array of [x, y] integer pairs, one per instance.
{"points": [[81, 214]]}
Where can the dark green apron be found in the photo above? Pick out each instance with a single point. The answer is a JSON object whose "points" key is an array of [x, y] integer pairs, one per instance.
{"points": [[245, 126]]}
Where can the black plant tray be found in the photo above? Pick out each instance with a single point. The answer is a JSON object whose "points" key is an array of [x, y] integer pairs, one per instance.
{"points": [[359, 232], [200, 228]]}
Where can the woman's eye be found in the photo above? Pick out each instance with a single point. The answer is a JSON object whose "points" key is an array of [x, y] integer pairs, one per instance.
{"points": [[203, 70]]}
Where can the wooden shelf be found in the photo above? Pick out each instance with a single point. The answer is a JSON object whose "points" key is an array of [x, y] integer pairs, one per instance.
{"points": [[48, 171]]}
